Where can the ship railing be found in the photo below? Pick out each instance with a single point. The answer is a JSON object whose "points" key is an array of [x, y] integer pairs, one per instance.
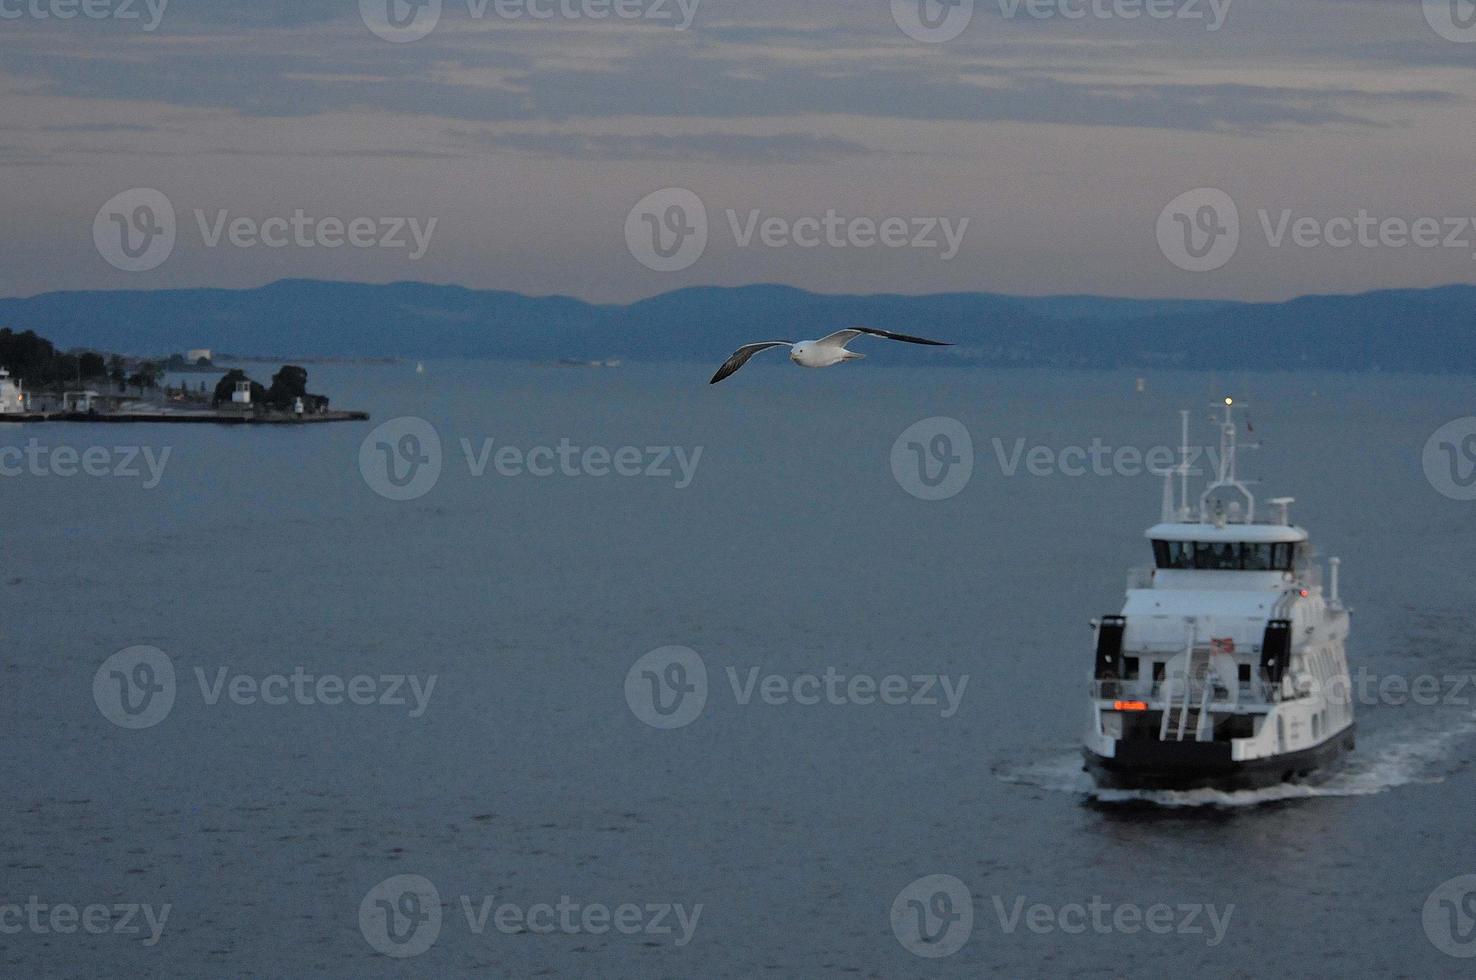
{"points": [[1155, 693]]}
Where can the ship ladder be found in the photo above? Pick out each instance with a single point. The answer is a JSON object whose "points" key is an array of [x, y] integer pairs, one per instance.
{"points": [[1189, 716]]}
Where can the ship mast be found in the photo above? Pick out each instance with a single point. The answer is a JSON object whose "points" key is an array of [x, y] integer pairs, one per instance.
{"points": [[1227, 476], [1177, 508], [1184, 464]]}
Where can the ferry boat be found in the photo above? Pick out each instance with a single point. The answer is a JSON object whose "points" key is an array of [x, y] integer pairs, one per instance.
{"points": [[1226, 667]]}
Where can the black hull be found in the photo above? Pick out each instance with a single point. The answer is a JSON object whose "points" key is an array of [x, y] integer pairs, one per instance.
{"points": [[1153, 765]]}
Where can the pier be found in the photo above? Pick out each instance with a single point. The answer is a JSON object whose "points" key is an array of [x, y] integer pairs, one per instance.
{"points": [[198, 417]]}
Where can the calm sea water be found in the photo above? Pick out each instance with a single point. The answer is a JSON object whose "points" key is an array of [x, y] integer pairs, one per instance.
{"points": [[529, 777]]}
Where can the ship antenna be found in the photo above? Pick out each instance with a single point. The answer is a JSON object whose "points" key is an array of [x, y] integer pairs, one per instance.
{"points": [[1226, 476], [1227, 444], [1184, 465]]}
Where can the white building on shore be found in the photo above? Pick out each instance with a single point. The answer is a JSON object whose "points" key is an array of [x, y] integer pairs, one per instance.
{"points": [[80, 401], [12, 398]]}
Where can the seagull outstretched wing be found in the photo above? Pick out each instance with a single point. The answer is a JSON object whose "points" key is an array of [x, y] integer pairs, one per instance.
{"points": [[843, 337], [741, 355]]}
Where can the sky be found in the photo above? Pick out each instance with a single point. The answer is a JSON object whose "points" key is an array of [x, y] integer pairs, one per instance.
{"points": [[616, 149]]}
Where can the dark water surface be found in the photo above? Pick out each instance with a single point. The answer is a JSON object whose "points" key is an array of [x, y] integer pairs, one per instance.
{"points": [[529, 777]]}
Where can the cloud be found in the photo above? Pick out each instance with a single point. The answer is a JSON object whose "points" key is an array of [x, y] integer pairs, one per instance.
{"points": [[1064, 132], [91, 128], [680, 80], [779, 148], [24, 156]]}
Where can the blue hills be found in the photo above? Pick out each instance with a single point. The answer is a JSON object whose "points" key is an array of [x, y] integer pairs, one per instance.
{"points": [[1415, 330]]}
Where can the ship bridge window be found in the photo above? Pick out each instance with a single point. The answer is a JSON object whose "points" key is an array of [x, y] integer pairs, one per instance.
{"points": [[1225, 555]]}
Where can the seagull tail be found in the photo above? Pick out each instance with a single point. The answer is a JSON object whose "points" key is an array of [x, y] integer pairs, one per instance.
{"points": [[853, 356]]}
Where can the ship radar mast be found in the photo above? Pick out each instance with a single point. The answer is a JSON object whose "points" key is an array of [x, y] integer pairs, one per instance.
{"points": [[1226, 478]]}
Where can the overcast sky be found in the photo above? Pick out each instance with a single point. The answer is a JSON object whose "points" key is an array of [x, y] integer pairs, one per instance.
{"points": [[1059, 139]]}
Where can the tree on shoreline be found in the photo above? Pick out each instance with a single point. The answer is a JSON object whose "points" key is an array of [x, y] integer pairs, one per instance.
{"points": [[37, 362], [288, 385], [146, 378]]}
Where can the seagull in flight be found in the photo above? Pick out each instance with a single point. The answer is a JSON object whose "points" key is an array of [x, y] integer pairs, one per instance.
{"points": [[825, 352]]}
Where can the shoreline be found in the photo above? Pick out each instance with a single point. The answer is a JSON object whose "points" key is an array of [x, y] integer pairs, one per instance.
{"points": [[204, 417]]}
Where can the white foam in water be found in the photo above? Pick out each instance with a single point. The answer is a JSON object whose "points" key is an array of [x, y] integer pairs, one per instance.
{"points": [[1383, 761]]}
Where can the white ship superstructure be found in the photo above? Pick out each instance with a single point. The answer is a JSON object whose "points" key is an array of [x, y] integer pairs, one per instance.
{"points": [[1226, 666]]}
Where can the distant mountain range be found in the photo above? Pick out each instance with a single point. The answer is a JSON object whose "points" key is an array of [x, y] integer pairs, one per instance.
{"points": [[1419, 330]]}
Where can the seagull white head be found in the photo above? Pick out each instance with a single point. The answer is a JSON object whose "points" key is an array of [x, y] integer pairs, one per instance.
{"points": [[825, 352]]}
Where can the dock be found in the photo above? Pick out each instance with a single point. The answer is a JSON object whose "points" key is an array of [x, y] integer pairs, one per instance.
{"points": [[200, 417]]}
